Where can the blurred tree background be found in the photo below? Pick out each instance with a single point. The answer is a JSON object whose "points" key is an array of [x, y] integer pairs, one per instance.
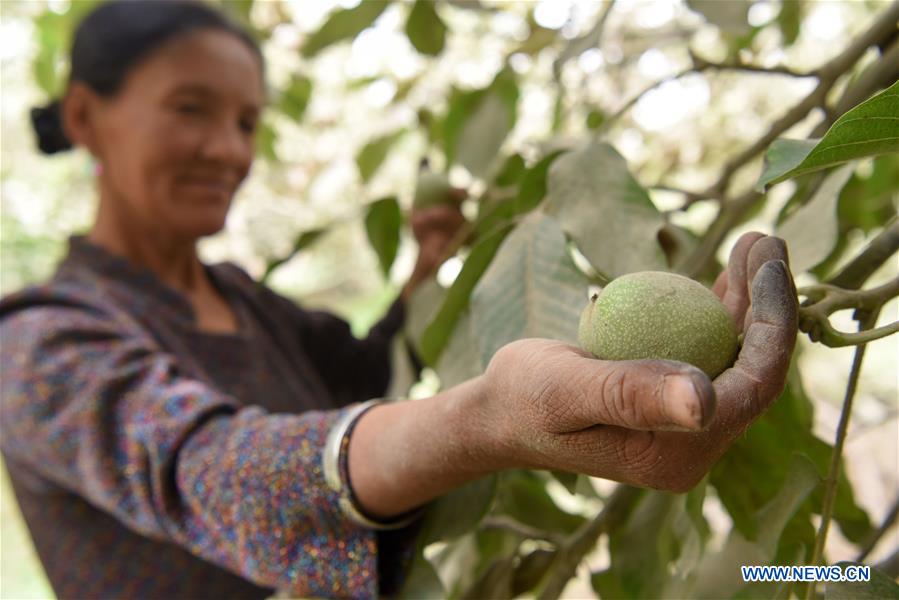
{"points": [[594, 138]]}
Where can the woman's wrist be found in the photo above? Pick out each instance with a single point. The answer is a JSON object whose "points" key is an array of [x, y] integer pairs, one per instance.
{"points": [[404, 454]]}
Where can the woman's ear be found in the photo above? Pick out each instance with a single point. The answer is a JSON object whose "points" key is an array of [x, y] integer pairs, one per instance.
{"points": [[80, 109]]}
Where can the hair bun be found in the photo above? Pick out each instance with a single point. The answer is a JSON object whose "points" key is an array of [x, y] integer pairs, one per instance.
{"points": [[47, 122]]}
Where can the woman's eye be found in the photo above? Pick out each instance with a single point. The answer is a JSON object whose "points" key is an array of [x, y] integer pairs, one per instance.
{"points": [[189, 109], [248, 126]]}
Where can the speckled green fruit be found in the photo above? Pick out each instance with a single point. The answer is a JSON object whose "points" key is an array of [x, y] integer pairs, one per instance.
{"points": [[653, 314], [432, 189]]}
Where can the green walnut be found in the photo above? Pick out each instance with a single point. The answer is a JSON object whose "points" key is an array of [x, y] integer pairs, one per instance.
{"points": [[652, 314], [433, 189]]}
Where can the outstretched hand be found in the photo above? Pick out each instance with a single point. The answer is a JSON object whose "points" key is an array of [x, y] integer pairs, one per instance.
{"points": [[654, 423], [435, 228]]}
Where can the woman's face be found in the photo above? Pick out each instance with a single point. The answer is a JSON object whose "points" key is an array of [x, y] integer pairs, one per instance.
{"points": [[178, 139]]}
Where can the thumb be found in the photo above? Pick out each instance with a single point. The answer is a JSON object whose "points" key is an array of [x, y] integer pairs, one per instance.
{"points": [[654, 395]]}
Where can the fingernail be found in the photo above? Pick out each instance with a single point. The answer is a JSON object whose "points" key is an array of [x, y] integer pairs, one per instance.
{"points": [[682, 402]]}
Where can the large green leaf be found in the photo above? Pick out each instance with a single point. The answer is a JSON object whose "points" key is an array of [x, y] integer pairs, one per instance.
{"points": [[344, 24], [758, 457], [295, 97], [880, 587], [459, 511], [479, 121], [531, 289], [382, 224], [531, 190], [600, 205], [811, 232], [719, 574], [425, 29], [642, 550], [438, 332], [522, 495], [402, 372], [373, 153], [869, 129], [461, 360]]}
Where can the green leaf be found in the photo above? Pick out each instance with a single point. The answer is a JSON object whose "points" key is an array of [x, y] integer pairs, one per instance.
{"points": [[422, 582], [811, 232], [522, 495], [868, 201], [880, 587], [460, 361], [730, 16], [422, 307], [600, 205], [531, 190], [758, 457], [425, 29], [402, 372], [435, 337], [479, 121], [642, 550], [719, 574], [265, 141], [344, 24], [531, 569], [789, 19], [295, 98], [458, 511], [373, 153], [239, 8], [595, 118], [869, 129], [382, 224], [304, 240], [531, 289]]}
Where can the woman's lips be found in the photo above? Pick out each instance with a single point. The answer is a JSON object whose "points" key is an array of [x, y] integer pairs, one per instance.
{"points": [[208, 186]]}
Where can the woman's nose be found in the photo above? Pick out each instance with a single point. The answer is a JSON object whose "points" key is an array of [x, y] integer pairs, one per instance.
{"points": [[228, 144]]}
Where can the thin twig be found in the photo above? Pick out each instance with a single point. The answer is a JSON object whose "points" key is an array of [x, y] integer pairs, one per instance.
{"points": [[511, 525], [822, 300], [833, 473], [701, 63]]}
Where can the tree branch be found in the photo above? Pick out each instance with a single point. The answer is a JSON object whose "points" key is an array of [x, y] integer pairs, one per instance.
{"points": [[824, 300], [881, 248], [700, 63], [833, 474], [582, 541], [511, 525], [731, 211]]}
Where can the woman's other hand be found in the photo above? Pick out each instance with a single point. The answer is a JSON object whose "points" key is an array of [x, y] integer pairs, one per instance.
{"points": [[436, 229]]}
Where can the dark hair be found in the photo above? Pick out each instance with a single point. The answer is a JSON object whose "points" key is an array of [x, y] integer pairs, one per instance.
{"points": [[114, 38]]}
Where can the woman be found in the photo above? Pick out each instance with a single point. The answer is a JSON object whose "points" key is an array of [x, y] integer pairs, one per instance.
{"points": [[174, 429]]}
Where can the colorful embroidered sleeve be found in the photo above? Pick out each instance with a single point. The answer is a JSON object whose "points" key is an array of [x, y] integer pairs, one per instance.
{"points": [[92, 404]]}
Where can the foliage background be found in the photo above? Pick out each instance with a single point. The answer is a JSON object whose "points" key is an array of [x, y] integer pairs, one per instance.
{"points": [[307, 177]]}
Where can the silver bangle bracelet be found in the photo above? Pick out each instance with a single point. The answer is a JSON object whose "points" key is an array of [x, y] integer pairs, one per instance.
{"points": [[334, 453]]}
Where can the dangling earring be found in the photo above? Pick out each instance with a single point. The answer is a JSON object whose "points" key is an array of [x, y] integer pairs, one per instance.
{"points": [[98, 169]]}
